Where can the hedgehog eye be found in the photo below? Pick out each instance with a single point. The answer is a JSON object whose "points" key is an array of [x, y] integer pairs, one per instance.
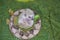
{"points": [[29, 17]]}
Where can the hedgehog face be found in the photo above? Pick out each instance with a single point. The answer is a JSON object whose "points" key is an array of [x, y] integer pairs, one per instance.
{"points": [[26, 18]]}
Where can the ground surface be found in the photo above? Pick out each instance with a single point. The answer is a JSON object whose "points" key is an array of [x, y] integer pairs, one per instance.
{"points": [[49, 11]]}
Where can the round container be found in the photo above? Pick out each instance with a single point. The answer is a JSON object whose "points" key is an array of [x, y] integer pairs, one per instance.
{"points": [[25, 24]]}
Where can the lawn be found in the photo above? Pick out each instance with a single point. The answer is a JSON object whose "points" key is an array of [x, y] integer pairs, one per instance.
{"points": [[49, 11]]}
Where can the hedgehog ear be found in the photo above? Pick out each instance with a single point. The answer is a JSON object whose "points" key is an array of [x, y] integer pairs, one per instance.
{"points": [[20, 12]]}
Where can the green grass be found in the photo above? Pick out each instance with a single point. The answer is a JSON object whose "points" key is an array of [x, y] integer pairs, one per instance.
{"points": [[49, 11]]}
